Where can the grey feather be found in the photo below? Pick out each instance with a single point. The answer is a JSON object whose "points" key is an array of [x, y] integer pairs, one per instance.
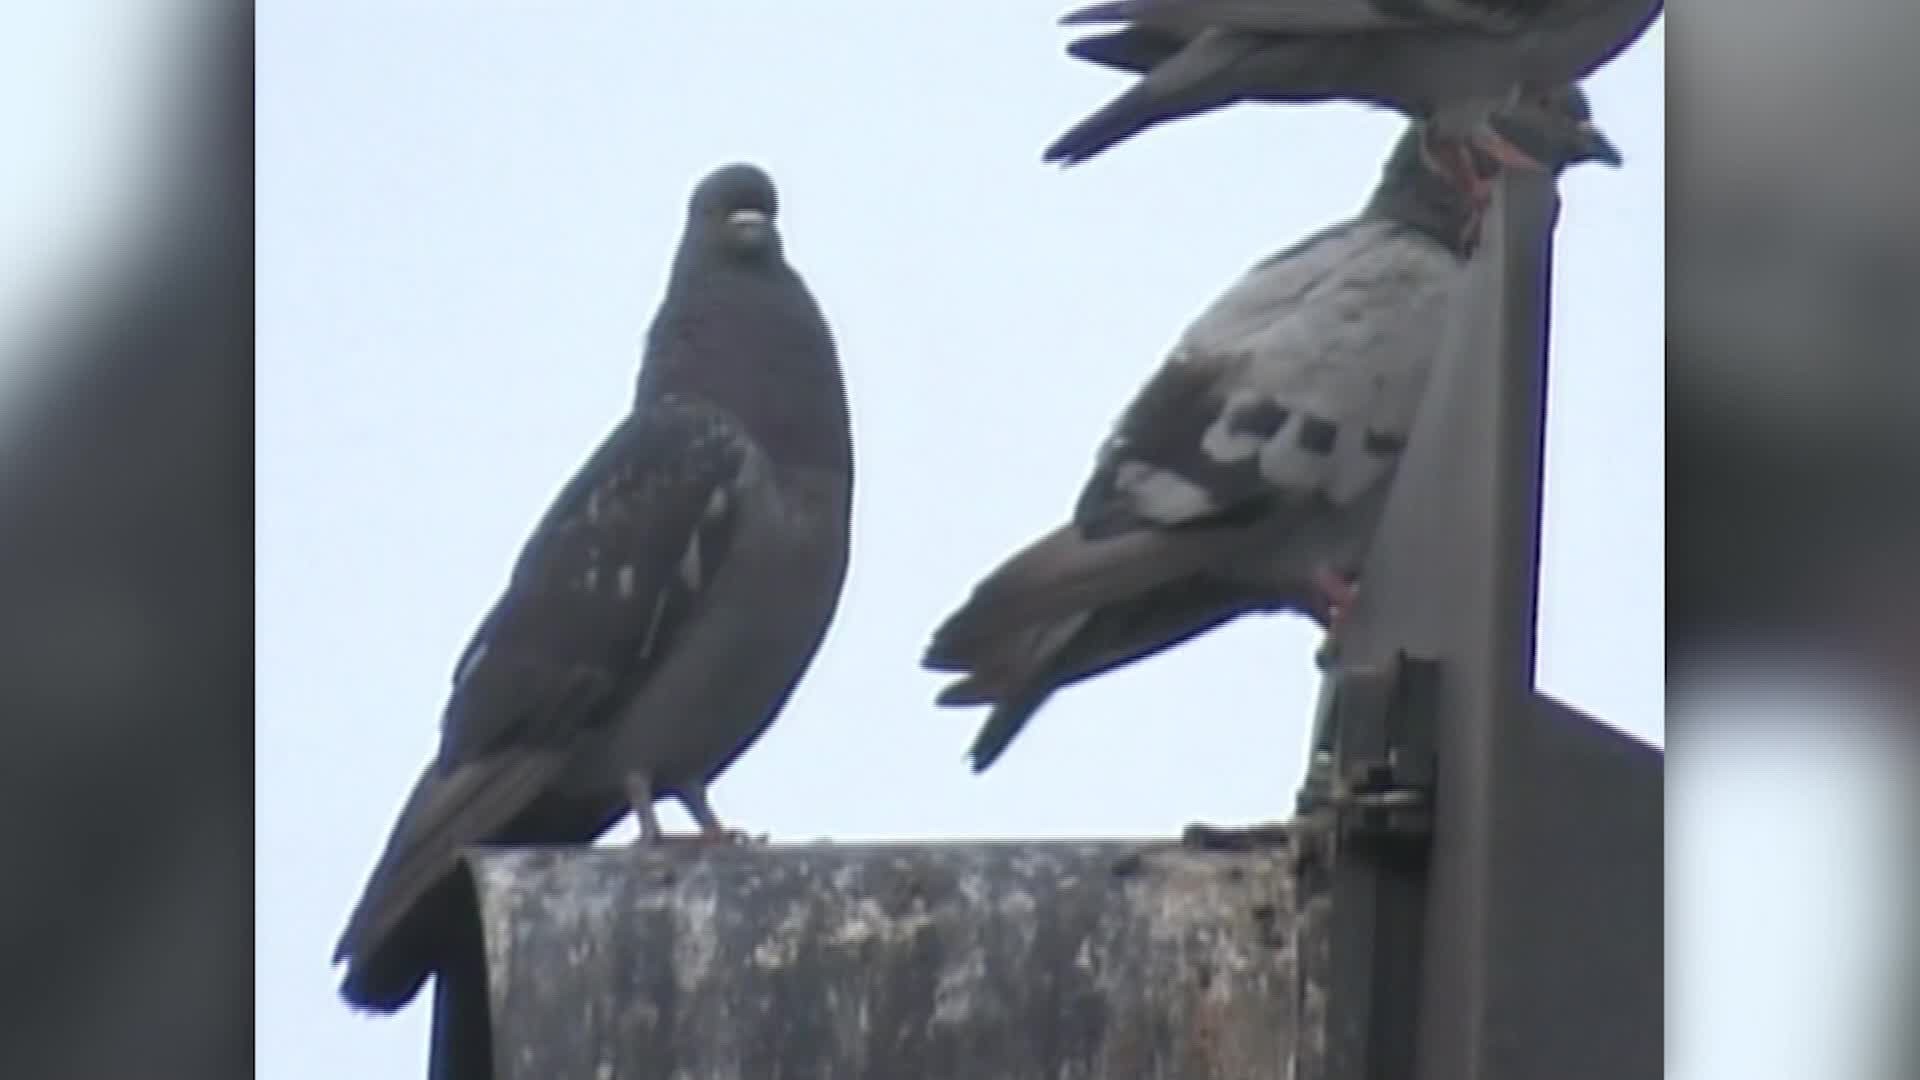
{"points": [[1258, 456], [1451, 61], [1034, 665], [1331, 16], [663, 609]]}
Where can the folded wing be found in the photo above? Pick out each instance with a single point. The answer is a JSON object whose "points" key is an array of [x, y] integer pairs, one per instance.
{"points": [[598, 597]]}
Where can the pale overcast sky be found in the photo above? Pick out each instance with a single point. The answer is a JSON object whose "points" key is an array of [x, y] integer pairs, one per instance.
{"points": [[465, 216]]}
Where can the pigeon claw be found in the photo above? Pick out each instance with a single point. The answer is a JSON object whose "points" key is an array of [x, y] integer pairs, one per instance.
{"points": [[1337, 589], [1203, 837], [733, 838], [703, 839]]}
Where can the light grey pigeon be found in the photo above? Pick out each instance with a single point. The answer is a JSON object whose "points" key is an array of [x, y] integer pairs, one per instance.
{"points": [[663, 610], [1448, 61], [1249, 472]]}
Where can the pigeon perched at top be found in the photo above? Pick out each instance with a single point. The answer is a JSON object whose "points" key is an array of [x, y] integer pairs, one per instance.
{"points": [[1447, 61], [664, 609], [1249, 472]]}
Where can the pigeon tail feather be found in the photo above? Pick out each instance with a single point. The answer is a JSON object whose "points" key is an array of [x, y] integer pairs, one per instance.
{"points": [[1300, 16], [1112, 11], [1037, 664], [975, 688], [1134, 49], [1110, 125], [391, 942], [1065, 574], [1186, 83], [1005, 723], [1125, 632]]}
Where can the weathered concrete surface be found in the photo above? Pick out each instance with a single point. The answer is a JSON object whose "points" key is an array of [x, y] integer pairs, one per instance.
{"points": [[943, 961]]}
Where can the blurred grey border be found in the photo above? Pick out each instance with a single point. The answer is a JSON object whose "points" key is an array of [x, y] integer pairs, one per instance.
{"points": [[126, 613], [1793, 486], [1794, 294]]}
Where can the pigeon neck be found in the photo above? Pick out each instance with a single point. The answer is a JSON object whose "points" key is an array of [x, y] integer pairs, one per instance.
{"points": [[752, 341], [1411, 193]]}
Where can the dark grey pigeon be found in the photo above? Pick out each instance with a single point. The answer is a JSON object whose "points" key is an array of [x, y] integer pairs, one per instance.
{"points": [[1448, 61], [1249, 472], [663, 610]]}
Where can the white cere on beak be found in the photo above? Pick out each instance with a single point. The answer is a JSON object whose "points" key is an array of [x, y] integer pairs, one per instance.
{"points": [[747, 217]]}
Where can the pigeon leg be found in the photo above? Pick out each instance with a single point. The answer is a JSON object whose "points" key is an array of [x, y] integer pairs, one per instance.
{"points": [[694, 797], [640, 798], [1337, 589], [1337, 593], [1328, 654]]}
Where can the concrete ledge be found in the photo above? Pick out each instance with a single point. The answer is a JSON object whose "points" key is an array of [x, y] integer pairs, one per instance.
{"points": [[923, 961]]}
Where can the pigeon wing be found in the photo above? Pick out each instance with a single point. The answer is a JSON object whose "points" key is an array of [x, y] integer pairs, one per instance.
{"points": [[606, 584], [1291, 396], [599, 595]]}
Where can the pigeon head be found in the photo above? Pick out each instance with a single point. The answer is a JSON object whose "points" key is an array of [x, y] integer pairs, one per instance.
{"points": [[1441, 175], [731, 215], [1548, 129]]}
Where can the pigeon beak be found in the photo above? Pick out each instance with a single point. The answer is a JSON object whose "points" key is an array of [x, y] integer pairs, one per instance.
{"points": [[1595, 146], [1558, 146], [752, 226]]}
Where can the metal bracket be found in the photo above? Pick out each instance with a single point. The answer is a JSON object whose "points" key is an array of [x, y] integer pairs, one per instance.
{"points": [[1361, 836], [1371, 777]]}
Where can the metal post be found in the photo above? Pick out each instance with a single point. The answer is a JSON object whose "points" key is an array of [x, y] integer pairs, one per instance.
{"points": [[1493, 958]]}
